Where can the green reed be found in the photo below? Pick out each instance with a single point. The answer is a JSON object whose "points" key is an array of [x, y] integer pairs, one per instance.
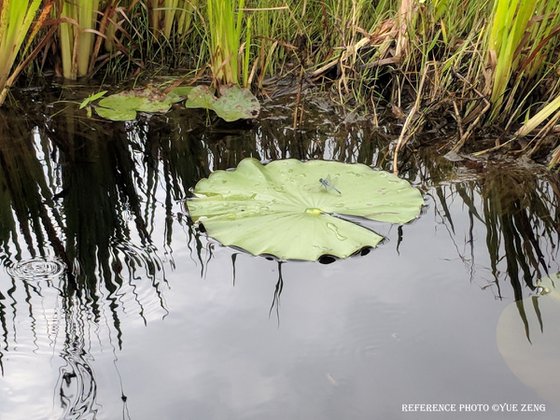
{"points": [[169, 18], [16, 20], [77, 36], [519, 46]]}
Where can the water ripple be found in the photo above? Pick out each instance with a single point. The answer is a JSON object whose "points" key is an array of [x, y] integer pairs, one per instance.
{"points": [[38, 268]]}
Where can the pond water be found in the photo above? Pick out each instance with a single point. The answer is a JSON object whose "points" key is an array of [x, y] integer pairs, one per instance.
{"points": [[113, 306]]}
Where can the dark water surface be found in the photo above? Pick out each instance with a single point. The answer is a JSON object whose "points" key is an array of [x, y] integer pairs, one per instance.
{"points": [[113, 306]]}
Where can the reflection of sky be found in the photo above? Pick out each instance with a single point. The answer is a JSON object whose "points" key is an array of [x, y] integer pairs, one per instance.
{"points": [[353, 340], [27, 387], [395, 330]]}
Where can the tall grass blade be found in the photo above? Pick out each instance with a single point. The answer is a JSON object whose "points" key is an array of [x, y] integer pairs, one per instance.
{"points": [[540, 117], [16, 18]]}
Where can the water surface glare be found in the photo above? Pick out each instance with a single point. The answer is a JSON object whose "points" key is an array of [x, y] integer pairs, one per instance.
{"points": [[112, 305]]}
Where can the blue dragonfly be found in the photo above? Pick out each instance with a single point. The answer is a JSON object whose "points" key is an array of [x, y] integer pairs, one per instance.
{"points": [[327, 183]]}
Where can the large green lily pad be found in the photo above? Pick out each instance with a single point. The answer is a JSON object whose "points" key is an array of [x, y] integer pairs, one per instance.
{"points": [[123, 106], [528, 339], [282, 209], [234, 103]]}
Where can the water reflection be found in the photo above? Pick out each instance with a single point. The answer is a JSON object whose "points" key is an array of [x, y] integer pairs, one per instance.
{"points": [[277, 292], [518, 213], [105, 201], [38, 268], [83, 198], [76, 385], [530, 348]]}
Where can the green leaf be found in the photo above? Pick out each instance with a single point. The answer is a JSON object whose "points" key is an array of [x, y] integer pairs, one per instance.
{"points": [[234, 103], [528, 338], [92, 98], [283, 209]]}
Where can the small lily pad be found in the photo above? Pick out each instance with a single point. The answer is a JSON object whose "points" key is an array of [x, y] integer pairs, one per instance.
{"points": [[288, 210], [123, 106], [234, 103]]}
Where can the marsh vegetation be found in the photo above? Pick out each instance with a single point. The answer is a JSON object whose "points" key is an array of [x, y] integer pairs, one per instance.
{"points": [[480, 74]]}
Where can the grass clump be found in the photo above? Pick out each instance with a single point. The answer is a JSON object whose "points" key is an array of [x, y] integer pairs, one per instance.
{"points": [[225, 26]]}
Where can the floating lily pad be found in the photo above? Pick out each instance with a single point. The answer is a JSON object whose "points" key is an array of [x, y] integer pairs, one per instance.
{"points": [[288, 209], [528, 339], [234, 103], [123, 106]]}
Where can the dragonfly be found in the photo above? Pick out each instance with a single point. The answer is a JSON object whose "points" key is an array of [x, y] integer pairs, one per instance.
{"points": [[327, 183]]}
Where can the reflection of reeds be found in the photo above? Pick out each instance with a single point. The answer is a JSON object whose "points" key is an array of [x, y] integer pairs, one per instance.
{"points": [[516, 207], [76, 389], [100, 185], [519, 212], [28, 218], [514, 212], [82, 195], [96, 229], [26, 194]]}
